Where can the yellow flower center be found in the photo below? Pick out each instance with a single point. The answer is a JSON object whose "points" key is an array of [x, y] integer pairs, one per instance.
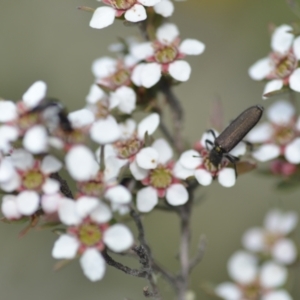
{"points": [[89, 234], [33, 180], [166, 54], [128, 147], [161, 177], [122, 4]]}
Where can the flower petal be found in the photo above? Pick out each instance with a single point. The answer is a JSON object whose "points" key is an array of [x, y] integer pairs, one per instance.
{"points": [[101, 214], [67, 212], [51, 186], [93, 264], [104, 67], [292, 151], [266, 152], [118, 238], [227, 177], [281, 112], [190, 159], [146, 199], [149, 2], [254, 239], [203, 177], [35, 94], [228, 291], [272, 275], [167, 33], [179, 171], [282, 39], [239, 150], [272, 86], [284, 251], [81, 163], [102, 17], [164, 8], [191, 47], [118, 194], [142, 51], [180, 70], [36, 139], [105, 131], [136, 13], [84, 205], [296, 47], [9, 207], [149, 125], [8, 111], [65, 247], [82, 117], [242, 267], [50, 164], [261, 133], [261, 69], [95, 94], [137, 172], [147, 158], [277, 295], [28, 202], [177, 194], [126, 98], [294, 80], [150, 74], [164, 149]]}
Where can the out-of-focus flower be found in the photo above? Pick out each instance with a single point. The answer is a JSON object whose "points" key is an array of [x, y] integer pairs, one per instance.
{"points": [[278, 137], [113, 73], [88, 234], [281, 66], [252, 281], [31, 179], [155, 169], [164, 55], [20, 120], [133, 11], [272, 240], [197, 163]]}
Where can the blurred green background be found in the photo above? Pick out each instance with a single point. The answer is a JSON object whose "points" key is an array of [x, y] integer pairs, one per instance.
{"points": [[51, 40]]}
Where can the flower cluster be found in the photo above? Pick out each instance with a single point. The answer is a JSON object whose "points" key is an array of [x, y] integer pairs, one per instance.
{"points": [[260, 272], [281, 67], [278, 139]]}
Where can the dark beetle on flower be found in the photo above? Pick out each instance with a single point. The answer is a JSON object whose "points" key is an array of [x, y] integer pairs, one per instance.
{"points": [[232, 135]]}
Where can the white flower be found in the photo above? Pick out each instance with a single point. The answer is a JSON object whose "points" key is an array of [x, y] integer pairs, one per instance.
{"points": [[272, 239], [154, 169], [279, 136], [89, 236], [250, 280], [32, 178], [193, 163], [164, 56], [281, 66], [113, 73], [134, 11]]}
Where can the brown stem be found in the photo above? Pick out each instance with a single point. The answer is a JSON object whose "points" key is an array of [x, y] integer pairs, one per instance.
{"points": [[183, 277]]}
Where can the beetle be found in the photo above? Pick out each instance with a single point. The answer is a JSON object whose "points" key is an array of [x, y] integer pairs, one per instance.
{"points": [[232, 135]]}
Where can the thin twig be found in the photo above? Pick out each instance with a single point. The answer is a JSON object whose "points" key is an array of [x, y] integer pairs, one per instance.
{"points": [[133, 272], [164, 129], [199, 255]]}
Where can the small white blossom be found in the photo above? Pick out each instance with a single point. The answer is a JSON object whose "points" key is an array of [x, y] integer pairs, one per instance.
{"points": [[281, 66]]}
